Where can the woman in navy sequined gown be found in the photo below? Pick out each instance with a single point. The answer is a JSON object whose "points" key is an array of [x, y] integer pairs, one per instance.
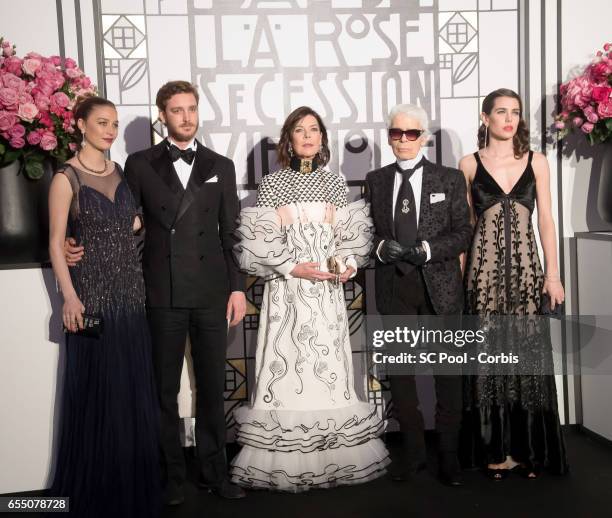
{"points": [[107, 459], [511, 421]]}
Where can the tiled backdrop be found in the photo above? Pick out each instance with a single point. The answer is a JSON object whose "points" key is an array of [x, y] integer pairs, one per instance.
{"points": [[254, 61]]}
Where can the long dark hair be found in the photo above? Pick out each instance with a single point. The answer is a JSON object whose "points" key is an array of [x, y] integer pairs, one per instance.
{"points": [[83, 108], [282, 149], [520, 140]]}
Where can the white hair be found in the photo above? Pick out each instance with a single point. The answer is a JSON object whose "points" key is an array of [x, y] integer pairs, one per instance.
{"points": [[412, 111]]}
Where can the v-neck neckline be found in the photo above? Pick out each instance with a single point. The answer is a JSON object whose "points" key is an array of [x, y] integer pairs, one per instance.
{"points": [[111, 200], [496, 182], [90, 187]]}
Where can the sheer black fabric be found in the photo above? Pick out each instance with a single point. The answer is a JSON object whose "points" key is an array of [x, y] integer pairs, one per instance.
{"points": [[108, 443], [513, 415]]}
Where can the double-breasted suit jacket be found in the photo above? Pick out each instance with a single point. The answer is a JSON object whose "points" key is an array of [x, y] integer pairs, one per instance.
{"points": [[444, 222], [187, 258]]}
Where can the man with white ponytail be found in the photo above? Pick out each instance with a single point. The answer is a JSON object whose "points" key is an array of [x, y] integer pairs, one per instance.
{"points": [[422, 222]]}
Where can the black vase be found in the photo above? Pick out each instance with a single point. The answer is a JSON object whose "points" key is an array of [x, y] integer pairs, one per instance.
{"points": [[24, 217], [604, 195]]}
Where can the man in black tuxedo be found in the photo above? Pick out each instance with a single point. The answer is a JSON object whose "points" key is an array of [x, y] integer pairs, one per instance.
{"points": [[190, 208], [422, 222]]}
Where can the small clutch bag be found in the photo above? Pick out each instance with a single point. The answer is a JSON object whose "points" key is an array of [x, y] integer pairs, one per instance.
{"points": [[545, 307], [93, 326], [336, 266]]}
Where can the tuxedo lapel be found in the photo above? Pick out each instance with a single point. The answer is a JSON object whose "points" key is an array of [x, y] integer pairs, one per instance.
{"points": [[202, 170], [163, 166]]}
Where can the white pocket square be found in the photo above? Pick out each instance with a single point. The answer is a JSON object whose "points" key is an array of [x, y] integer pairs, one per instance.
{"points": [[212, 179], [436, 197]]}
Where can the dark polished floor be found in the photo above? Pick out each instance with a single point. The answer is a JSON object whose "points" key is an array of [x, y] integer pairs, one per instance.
{"points": [[585, 492]]}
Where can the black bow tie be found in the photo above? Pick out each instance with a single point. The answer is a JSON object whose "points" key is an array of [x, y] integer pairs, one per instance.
{"points": [[186, 154], [410, 170]]}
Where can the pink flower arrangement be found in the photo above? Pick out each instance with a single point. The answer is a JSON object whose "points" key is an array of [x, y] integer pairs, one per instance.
{"points": [[37, 94], [586, 100]]}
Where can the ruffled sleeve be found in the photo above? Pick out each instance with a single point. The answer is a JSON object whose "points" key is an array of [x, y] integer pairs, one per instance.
{"points": [[354, 233], [263, 249]]}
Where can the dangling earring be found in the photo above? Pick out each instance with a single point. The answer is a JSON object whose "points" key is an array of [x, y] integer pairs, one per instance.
{"points": [[290, 150], [83, 142], [486, 142]]}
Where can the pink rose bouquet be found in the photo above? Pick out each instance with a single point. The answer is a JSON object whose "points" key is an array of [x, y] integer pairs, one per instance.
{"points": [[586, 100], [37, 94]]}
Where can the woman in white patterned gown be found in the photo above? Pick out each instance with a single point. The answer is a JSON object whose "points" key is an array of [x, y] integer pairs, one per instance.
{"points": [[305, 427]]}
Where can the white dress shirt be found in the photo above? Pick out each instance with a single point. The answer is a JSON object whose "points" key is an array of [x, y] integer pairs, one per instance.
{"points": [[416, 182], [182, 168]]}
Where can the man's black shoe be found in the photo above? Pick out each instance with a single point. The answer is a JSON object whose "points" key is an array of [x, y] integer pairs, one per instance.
{"points": [[174, 496], [401, 471], [225, 489], [449, 471], [452, 479]]}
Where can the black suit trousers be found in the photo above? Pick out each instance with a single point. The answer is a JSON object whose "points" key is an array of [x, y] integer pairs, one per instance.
{"points": [[410, 298], [207, 329]]}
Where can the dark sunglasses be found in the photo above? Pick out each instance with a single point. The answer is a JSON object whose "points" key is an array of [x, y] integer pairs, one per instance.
{"points": [[411, 134]]}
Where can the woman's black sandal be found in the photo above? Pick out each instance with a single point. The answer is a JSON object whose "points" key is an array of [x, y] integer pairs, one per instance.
{"points": [[497, 475]]}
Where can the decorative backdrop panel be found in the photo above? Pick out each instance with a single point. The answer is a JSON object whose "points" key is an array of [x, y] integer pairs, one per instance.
{"points": [[351, 60]]}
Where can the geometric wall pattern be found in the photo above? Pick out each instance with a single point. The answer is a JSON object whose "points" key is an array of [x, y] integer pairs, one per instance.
{"points": [[351, 60]]}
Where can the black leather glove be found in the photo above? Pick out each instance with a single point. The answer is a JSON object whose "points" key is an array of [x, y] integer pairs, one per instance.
{"points": [[391, 251], [415, 254]]}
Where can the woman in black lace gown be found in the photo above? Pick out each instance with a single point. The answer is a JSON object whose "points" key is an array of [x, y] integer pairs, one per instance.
{"points": [[511, 421], [107, 460]]}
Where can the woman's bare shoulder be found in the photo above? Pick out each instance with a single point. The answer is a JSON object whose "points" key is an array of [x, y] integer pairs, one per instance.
{"points": [[468, 165]]}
